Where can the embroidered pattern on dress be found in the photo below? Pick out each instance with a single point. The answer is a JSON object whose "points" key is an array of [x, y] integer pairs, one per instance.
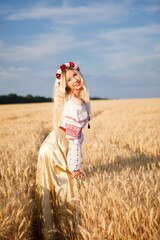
{"points": [[76, 120], [73, 131]]}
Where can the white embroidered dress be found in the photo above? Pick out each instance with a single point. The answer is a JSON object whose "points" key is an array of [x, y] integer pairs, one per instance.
{"points": [[74, 118]]}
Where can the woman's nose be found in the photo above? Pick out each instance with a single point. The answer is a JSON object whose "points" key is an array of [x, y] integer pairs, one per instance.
{"points": [[75, 79]]}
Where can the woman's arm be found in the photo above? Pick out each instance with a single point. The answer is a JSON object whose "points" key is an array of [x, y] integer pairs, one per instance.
{"points": [[73, 127], [74, 155]]}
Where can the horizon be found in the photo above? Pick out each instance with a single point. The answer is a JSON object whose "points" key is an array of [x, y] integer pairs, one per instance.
{"points": [[99, 98]]}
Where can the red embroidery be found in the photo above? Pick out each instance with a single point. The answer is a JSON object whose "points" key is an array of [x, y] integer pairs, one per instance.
{"points": [[76, 120], [73, 131]]}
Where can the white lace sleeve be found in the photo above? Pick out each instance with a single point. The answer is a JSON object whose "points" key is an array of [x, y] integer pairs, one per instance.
{"points": [[74, 156]]}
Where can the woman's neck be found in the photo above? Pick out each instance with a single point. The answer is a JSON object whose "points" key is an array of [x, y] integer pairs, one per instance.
{"points": [[75, 94]]}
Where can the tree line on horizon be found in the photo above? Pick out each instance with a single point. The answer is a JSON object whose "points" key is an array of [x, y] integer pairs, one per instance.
{"points": [[14, 98]]}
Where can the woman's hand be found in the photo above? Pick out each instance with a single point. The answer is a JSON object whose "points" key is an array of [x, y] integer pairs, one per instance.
{"points": [[77, 174]]}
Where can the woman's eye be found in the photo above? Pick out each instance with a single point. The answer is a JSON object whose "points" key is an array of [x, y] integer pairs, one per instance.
{"points": [[69, 79]]}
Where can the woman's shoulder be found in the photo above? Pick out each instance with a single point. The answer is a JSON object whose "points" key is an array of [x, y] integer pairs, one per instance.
{"points": [[67, 104], [77, 104], [71, 108], [68, 108]]}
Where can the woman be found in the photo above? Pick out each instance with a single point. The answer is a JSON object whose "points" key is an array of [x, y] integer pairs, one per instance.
{"points": [[60, 156]]}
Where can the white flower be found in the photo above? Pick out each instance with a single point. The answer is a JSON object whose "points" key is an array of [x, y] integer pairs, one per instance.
{"points": [[59, 71], [67, 64], [75, 66]]}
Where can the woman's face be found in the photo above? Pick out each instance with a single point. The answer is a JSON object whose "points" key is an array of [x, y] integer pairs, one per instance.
{"points": [[73, 80]]}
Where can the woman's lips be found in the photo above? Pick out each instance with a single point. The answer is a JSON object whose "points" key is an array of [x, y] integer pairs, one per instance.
{"points": [[77, 84]]}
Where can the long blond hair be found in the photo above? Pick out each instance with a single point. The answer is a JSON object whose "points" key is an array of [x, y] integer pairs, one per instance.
{"points": [[60, 93]]}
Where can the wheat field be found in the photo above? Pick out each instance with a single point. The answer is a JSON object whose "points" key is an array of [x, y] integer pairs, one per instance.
{"points": [[120, 191]]}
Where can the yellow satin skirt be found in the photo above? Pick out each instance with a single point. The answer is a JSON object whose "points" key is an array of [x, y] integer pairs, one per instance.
{"points": [[56, 189]]}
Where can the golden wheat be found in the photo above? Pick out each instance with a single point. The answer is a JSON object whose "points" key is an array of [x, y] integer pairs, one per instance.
{"points": [[23, 128], [120, 190]]}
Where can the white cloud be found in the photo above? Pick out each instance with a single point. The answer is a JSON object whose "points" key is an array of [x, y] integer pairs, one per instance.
{"points": [[157, 47], [12, 68], [146, 7], [151, 9], [130, 34], [40, 47], [95, 12], [127, 60], [19, 69], [5, 75], [129, 47], [22, 69], [13, 73]]}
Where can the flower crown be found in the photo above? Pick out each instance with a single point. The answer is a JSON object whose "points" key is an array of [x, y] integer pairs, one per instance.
{"points": [[63, 67]]}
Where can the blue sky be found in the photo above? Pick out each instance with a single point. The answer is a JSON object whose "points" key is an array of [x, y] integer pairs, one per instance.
{"points": [[116, 44]]}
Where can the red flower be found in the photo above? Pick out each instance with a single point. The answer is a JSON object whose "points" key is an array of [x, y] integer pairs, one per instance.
{"points": [[78, 69], [62, 67], [58, 76], [71, 64]]}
